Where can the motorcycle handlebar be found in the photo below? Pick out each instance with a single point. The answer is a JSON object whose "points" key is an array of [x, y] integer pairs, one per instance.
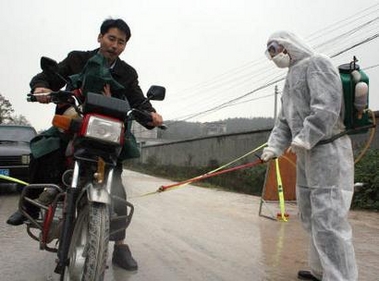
{"points": [[31, 98], [64, 96], [145, 117], [56, 97]]}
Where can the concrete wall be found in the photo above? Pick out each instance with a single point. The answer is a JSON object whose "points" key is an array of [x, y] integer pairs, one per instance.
{"points": [[203, 151], [214, 150]]}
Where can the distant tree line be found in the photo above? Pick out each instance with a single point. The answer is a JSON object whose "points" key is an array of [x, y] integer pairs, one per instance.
{"points": [[7, 115], [178, 130]]}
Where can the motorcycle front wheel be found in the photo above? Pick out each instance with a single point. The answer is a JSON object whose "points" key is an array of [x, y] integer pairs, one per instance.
{"points": [[89, 244]]}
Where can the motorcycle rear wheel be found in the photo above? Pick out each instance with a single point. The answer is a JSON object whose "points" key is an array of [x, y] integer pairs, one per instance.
{"points": [[89, 245]]}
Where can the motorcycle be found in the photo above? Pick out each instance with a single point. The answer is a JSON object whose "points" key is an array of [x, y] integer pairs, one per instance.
{"points": [[78, 218]]}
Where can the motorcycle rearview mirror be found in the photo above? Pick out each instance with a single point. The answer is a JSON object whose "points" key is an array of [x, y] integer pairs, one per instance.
{"points": [[156, 93], [49, 65]]}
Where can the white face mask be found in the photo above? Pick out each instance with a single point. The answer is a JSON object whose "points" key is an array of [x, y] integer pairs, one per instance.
{"points": [[282, 60]]}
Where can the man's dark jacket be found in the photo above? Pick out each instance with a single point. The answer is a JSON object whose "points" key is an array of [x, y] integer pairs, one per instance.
{"points": [[74, 63], [49, 144]]}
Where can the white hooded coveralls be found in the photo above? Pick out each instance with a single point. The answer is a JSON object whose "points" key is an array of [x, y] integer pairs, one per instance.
{"points": [[311, 106]]}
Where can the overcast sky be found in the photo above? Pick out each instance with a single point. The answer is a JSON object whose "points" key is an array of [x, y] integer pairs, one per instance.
{"points": [[205, 52]]}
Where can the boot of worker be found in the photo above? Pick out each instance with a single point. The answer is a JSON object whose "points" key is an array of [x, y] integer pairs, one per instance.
{"points": [[306, 275], [17, 218], [45, 198], [123, 257]]}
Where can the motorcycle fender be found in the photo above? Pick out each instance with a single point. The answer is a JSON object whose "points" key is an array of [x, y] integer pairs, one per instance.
{"points": [[99, 195]]}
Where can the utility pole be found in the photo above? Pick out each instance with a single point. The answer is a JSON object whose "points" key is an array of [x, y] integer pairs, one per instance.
{"points": [[276, 101]]}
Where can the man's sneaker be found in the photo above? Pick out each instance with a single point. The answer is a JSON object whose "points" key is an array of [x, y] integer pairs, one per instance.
{"points": [[17, 218], [306, 275], [47, 196], [123, 257]]}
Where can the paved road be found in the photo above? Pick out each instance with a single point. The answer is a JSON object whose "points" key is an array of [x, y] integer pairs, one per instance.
{"points": [[194, 234]]}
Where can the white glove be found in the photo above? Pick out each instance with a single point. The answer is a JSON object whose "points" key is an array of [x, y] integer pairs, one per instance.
{"points": [[268, 154], [297, 144]]}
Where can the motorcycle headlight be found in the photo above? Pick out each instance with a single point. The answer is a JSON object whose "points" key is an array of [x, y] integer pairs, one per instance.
{"points": [[102, 128]]}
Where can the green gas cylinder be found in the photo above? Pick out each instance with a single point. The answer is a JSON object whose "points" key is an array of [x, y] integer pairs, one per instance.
{"points": [[355, 92]]}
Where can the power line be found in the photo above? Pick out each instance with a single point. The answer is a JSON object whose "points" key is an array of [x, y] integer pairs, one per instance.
{"points": [[231, 102], [350, 20], [371, 67], [337, 25], [356, 45], [233, 82], [348, 33]]}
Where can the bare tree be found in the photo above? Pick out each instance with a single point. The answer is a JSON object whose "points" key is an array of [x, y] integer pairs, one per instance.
{"points": [[20, 120], [6, 110], [6, 114]]}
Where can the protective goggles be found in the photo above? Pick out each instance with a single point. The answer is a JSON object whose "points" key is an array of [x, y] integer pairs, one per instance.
{"points": [[273, 48]]}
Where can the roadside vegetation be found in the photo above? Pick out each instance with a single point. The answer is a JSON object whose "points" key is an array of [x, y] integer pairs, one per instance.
{"points": [[366, 196]]}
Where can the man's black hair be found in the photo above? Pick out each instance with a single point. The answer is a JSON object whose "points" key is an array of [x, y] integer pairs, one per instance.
{"points": [[117, 23]]}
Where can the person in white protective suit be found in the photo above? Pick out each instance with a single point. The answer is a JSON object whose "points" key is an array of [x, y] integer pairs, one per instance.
{"points": [[310, 113]]}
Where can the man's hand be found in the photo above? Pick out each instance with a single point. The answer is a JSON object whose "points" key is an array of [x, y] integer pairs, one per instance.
{"points": [[157, 119], [107, 90], [42, 98]]}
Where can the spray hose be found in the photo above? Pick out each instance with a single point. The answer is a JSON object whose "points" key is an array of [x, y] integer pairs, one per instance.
{"points": [[371, 137], [13, 180], [366, 127], [215, 172], [208, 175]]}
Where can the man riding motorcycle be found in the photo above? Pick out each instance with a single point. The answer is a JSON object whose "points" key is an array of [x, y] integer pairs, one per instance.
{"points": [[47, 166]]}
